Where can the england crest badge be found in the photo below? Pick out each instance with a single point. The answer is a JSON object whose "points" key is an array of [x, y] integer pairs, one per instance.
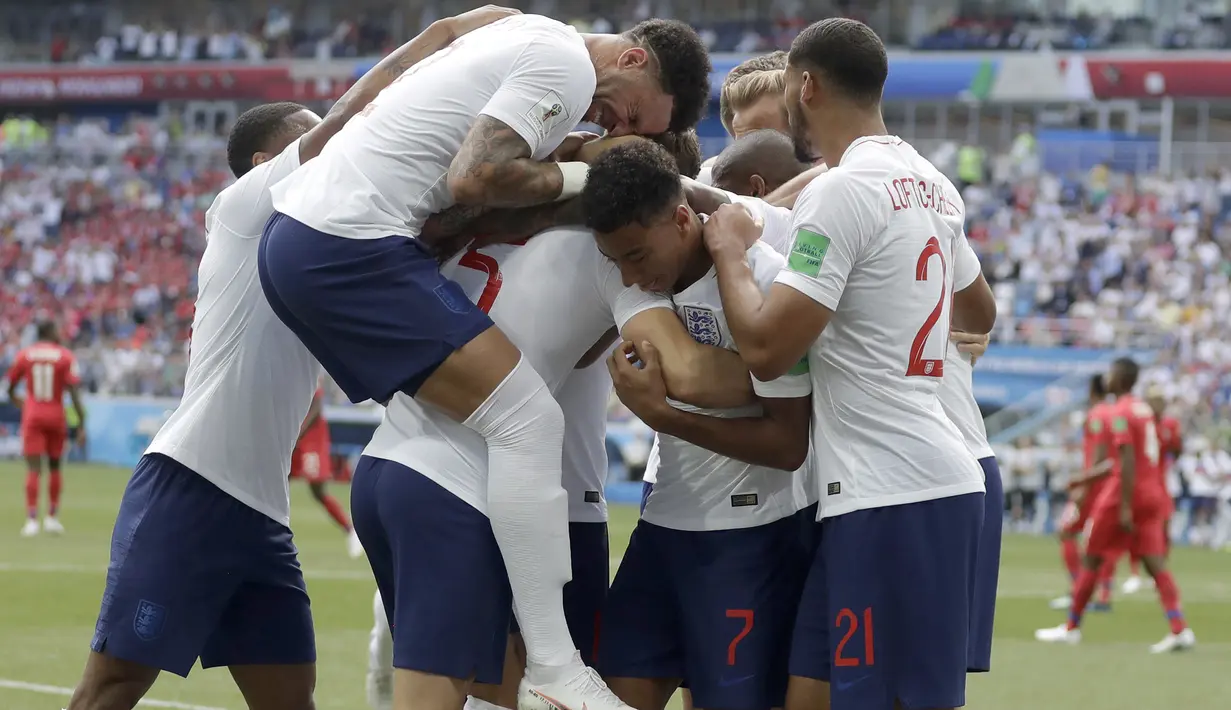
{"points": [[702, 325]]}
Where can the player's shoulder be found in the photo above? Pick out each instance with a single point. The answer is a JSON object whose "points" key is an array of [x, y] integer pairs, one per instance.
{"points": [[539, 28], [858, 185], [248, 198]]}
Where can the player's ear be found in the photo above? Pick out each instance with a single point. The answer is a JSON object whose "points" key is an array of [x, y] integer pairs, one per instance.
{"points": [[632, 58], [758, 188], [683, 218], [807, 88], [260, 157]]}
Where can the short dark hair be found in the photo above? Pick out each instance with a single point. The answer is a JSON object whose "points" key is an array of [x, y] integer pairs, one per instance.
{"points": [[766, 62], [253, 130], [45, 330], [1098, 387], [683, 67], [764, 152], [634, 182], [847, 53], [1128, 371], [685, 147]]}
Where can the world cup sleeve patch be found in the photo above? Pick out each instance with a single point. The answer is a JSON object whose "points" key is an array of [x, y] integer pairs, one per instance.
{"points": [[547, 113], [808, 253]]}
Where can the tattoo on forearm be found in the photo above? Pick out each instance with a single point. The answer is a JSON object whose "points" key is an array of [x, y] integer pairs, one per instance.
{"points": [[496, 160]]}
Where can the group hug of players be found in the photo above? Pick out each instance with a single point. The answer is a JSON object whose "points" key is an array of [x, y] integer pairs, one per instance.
{"points": [[859, 574]]}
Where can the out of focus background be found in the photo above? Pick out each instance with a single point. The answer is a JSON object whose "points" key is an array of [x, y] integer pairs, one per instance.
{"points": [[1092, 139]]}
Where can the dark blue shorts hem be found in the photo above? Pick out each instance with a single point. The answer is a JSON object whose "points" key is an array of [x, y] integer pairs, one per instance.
{"points": [[376, 313], [194, 573]]}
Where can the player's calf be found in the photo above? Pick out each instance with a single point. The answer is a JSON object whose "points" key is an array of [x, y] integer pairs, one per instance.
{"points": [[276, 687], [110, 683]]}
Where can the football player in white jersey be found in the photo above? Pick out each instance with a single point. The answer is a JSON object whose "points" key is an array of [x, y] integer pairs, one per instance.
{"points": [[719, 542], [957, 398], [750, 99], [583, 398], [342, 265], [422, 460], [880, 264], [202, 561]]}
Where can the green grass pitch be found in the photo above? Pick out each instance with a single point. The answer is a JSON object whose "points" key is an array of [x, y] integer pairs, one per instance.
{"points": [[50, 588]]}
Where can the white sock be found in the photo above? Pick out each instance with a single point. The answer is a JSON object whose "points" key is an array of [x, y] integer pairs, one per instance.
{"points": [[473, 703], [528, 508], [380, 644]]}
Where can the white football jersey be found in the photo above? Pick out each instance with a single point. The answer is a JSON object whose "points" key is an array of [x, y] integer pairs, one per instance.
{"points": [[957, 398], [583, 397], [554, 297], [706, 176], [249, 381], [776, 221], [384, 173], [697, 489], [651, 464], [879, 241]]}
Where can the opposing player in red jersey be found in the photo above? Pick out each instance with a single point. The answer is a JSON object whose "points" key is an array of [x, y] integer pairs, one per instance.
{"points": [[1130, 515], [1085, 489], [312, 462], [1170, 446], [47, 369]]}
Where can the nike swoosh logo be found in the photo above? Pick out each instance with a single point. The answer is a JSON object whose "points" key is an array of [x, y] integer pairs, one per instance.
{"points": [[851, 683], [726, 683]]}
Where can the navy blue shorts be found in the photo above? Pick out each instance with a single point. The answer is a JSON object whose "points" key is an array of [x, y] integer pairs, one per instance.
{"points": [[585, 595], [439, 571], [887, 609], [715, 608], [987, 570], [195, 573], [376, 313], [810, 531]]}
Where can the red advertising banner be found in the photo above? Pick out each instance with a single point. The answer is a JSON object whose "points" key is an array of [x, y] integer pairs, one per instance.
{"points": [[1206, 78], [158, 83]]}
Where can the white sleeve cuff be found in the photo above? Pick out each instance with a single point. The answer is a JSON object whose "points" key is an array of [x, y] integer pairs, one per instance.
{"points": [[808, 287]]}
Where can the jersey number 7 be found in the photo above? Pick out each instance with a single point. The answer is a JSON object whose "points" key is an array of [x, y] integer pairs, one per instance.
{"points": [[918, 366]]}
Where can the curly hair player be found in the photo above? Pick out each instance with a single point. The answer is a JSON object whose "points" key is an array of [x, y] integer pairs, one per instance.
{"points": [[343, 266]]}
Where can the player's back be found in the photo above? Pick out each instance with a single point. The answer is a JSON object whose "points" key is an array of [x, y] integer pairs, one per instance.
{"points": [[882, 437], [384, 173], [553, 297], [1133, 424], [46, 369], [249, 381], [697, 489]]}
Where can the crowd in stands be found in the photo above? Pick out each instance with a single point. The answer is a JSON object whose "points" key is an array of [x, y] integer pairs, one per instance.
{"points": [[106, 243], [105, 31]]}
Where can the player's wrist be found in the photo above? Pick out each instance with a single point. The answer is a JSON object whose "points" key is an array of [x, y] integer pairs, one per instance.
{"points": [[574, 176]]}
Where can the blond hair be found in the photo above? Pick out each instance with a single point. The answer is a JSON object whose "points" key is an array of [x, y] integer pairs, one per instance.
{"points": [[746, 90]]}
